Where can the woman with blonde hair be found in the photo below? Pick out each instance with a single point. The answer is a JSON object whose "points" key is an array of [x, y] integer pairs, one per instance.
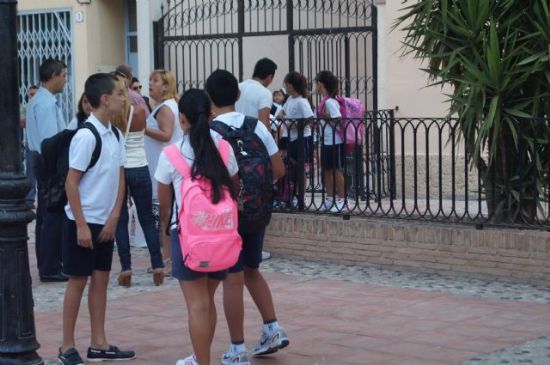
{"points": [[163, 127], [131, 121]]}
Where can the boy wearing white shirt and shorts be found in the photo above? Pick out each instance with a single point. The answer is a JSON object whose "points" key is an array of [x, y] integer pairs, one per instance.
{"points": [[95, 198]]}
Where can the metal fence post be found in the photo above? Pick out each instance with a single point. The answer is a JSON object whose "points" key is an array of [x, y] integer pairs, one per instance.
{"points": [[18, 343]]}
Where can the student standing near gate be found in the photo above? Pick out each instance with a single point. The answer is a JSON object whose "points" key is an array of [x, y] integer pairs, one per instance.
{"points": [[222, 87], [44, 119], [256, 99]]}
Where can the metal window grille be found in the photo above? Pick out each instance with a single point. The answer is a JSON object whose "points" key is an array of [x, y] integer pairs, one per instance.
{"points": [[42, 35]]}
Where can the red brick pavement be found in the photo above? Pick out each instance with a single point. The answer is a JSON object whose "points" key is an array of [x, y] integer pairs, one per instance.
{"points": [[328, 322]]}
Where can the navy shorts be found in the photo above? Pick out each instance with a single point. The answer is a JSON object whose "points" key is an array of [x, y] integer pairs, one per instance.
{"points": [[332, 156], [251, 254], [81, 261], [308, 149], [182, 272]]}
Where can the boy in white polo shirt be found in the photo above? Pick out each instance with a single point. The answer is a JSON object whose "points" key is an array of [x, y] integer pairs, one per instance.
{"points": [[95, 198]]}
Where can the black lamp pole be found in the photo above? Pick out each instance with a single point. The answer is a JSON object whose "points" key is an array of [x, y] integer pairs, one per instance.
{"points": [[18, 343]]}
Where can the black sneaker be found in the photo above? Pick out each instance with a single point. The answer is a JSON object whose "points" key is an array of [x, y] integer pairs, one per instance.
{"points": [[113, 353], [70, 357]]}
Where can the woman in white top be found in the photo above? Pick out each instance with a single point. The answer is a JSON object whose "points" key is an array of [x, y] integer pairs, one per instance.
{"points": [[199, 148], [332, 150], [162, 127], [139, 187]]}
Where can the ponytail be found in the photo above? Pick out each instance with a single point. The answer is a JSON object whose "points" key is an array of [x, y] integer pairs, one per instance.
{"points": [[195, 105]]}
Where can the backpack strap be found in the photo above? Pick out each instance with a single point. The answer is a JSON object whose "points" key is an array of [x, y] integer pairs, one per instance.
{"points": [[220, 127], [249, 123], [115, 132], [224, 147], [321, 106], [98, 144], [177, 160]]}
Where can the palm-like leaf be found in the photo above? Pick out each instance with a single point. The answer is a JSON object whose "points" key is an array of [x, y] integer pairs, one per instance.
{"points": [[495, 54]]}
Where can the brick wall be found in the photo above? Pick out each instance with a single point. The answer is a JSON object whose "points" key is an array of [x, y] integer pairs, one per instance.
{"points": [[505, 253]]}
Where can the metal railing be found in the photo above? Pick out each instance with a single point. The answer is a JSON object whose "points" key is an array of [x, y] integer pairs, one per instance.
{"points": [[409, 168]]}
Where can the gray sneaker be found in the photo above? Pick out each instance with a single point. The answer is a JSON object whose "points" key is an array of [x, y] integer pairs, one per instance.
{"points": [[268, 344], [230, 358]]}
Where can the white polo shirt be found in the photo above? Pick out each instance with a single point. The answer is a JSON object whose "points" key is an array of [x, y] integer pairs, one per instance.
{"points": [[297, 108], [99, 186], [332, 109], [254, 96], [236, 120]]}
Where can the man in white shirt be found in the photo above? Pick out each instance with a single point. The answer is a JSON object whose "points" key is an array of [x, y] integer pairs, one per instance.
{"points": [[256, 99], [223, 91], [44, 119]]}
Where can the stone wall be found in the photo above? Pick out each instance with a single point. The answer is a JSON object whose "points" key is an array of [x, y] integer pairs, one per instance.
{"points": [[500, 253], [427, 170]]}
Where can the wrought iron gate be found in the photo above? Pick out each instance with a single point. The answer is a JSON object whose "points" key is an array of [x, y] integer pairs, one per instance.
{"points": [[194, 37], [42, 35]]}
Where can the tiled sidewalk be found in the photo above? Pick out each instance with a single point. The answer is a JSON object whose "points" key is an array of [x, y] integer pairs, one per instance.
{"points": [[328, 322]]}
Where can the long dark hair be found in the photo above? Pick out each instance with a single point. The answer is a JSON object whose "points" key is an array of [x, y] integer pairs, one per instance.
{"points": [[195, 105], [81, 116]]}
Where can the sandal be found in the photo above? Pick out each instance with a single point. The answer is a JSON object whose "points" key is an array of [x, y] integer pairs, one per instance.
{"points": [[158, 276], [125, 278]]}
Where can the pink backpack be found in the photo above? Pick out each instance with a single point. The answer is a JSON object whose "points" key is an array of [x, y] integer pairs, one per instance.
{"points": [[208, 232], [353, 120]]}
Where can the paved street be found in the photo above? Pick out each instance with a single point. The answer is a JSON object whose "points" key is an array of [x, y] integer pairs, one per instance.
{"points": [[334, 314]]}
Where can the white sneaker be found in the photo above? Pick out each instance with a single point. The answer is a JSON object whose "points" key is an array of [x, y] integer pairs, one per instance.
{"points": [[230, 358], [338, 206], [190, 360], [268, 344], [266, 255], [327, 204]]}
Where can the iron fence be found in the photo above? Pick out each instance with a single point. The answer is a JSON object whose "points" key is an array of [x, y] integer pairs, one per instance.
{"points": [[408, 168]]}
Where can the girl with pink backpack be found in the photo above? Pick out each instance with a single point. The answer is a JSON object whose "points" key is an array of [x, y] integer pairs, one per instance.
{"points": [[333, 147], [199, 171]]}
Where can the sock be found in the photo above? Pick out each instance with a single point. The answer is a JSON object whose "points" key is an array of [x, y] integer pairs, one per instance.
{"points": [[237, 347], [270, 327]]}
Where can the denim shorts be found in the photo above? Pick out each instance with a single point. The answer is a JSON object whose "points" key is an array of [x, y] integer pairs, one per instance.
{"points": [[182, 272], [251, 254], [81, 261]]}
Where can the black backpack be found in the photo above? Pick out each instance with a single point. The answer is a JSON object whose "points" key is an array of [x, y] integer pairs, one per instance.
{"points": [[55, 164], [255, 173]]}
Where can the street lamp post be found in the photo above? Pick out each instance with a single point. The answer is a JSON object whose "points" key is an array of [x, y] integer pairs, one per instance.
{"points": [[18, 343]]}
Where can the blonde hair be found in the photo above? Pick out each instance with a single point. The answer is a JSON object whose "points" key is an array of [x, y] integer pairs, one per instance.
{"points": [[169, 81], [121, 120]]}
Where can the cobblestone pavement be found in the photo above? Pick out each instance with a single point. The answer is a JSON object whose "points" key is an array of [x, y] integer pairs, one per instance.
{"points": [[48, 297]]}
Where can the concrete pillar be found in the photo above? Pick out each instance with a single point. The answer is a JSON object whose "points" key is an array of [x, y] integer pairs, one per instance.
{"points": [[382, 55]]}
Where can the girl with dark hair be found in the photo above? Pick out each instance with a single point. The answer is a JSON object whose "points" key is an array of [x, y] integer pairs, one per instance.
{"points": [[83, 112], [297, 109], [199, 147], [332, 150]]}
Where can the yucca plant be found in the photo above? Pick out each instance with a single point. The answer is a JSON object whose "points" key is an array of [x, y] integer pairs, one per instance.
{"points": [[495, 55]]}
